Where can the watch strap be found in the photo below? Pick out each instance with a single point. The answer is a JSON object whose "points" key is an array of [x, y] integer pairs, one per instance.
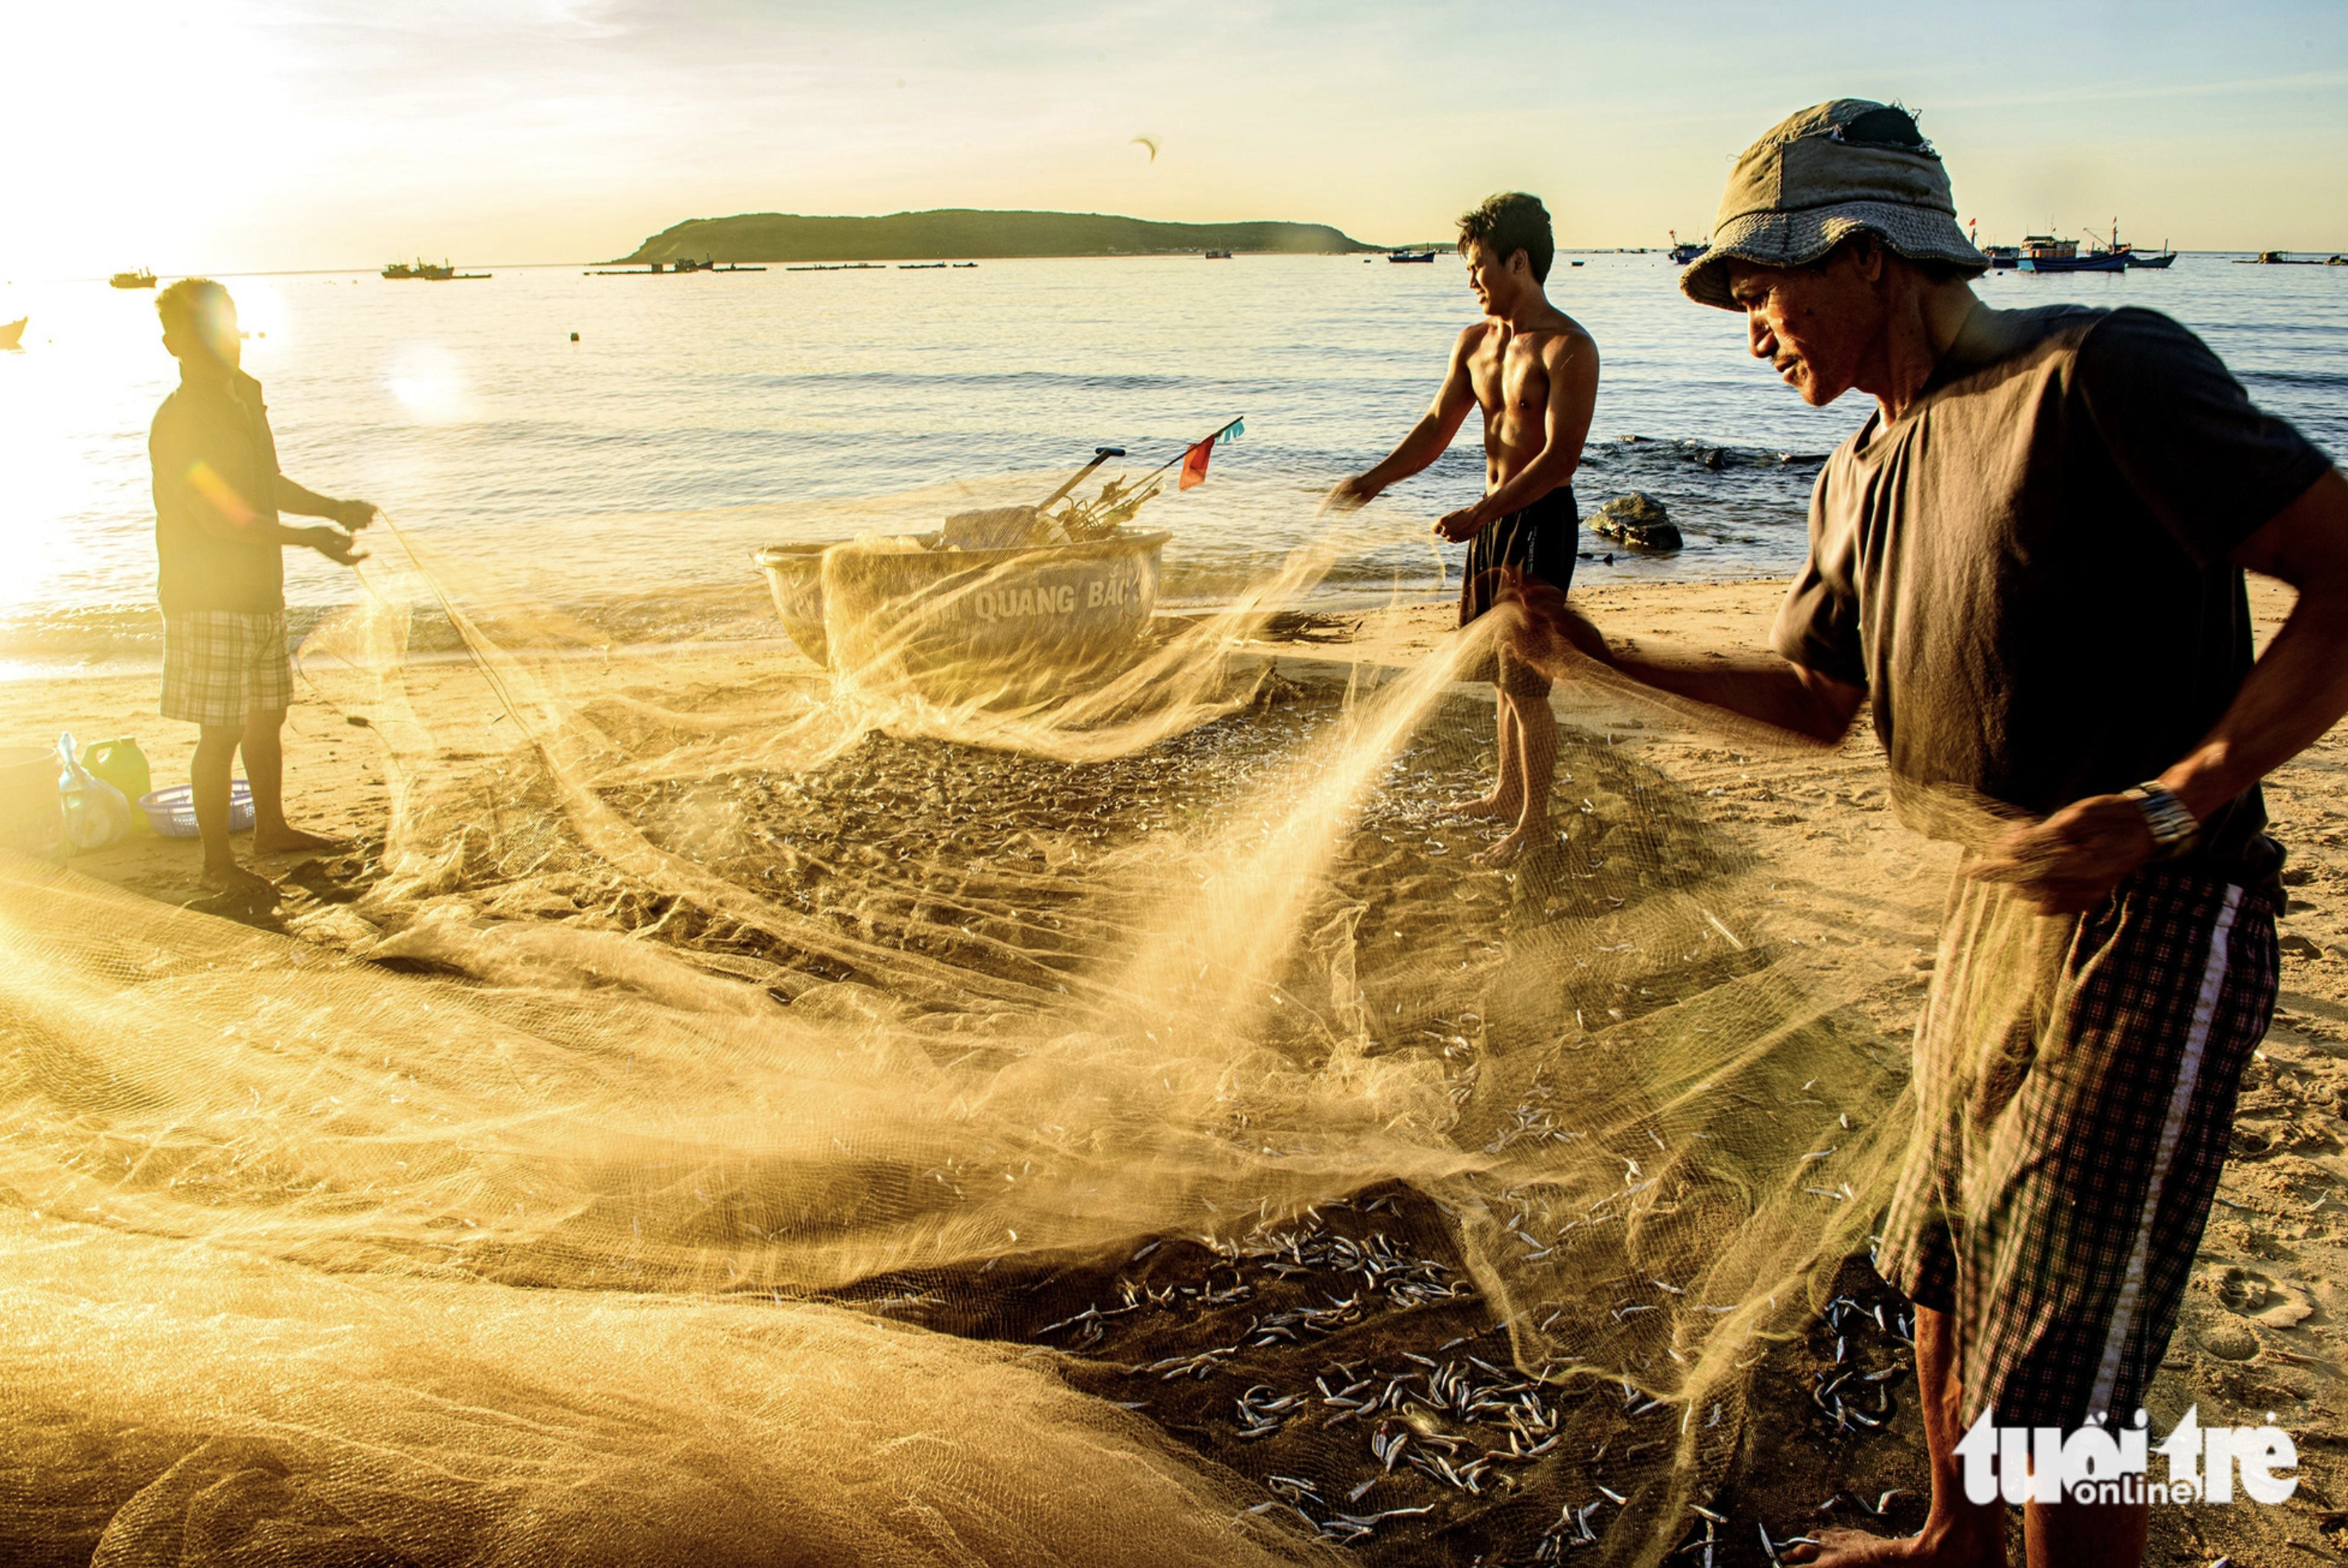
{"points": [[2174, 828]]}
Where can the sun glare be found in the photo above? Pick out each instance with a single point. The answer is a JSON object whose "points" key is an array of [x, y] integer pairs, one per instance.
{"points": [[427, 381]]}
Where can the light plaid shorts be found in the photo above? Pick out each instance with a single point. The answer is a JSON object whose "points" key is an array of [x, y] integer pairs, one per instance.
{"points": [[2076, 1082], [219, 666]]}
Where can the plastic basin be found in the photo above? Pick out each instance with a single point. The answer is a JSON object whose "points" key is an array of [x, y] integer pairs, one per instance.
{"points": [[173, 812]]}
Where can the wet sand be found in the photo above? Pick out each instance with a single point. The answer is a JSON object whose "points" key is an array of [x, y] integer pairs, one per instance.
{"points": [[2259, 1327]]}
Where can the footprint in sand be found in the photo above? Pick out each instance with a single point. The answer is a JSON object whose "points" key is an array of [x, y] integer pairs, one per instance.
{"points": [[2246, 1293]]}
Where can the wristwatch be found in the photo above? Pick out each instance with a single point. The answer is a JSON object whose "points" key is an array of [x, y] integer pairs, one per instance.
{"points": [[2174, 828]]}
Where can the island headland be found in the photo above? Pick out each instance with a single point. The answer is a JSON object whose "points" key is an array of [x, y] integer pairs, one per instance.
{"points": [[962, 233]]}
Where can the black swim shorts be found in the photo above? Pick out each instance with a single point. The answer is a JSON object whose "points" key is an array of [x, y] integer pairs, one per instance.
{"points": [[1538, 542]]}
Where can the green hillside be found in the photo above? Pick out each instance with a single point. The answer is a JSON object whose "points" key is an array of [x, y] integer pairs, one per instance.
{"points": [[961, 233]]}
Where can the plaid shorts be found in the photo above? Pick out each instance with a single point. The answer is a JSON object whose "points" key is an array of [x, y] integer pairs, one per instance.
{"points": [[219, 666], [2076, 1080]]}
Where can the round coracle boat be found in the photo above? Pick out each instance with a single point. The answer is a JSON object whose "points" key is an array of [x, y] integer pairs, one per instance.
{"points": [[966, 620]]}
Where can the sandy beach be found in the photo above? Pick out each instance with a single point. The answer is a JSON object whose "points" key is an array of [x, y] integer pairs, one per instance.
{"points": [[2259, 1327]]}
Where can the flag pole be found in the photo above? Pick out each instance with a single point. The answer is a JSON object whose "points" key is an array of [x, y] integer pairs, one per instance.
{"points": [[1186, 451]]}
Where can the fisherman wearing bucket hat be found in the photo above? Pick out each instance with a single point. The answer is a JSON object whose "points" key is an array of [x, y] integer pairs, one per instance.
{"points": [[2029, 561], [1845, 167]]}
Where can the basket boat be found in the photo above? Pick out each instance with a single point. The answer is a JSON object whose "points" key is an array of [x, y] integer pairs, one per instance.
{"points": [[963, 623]]}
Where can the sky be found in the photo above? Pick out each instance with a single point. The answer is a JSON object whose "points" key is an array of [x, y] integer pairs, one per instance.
{"points": [[261, 135]]}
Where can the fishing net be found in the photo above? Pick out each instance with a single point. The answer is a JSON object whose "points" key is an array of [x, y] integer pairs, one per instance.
{"points": [[743, 1111]]}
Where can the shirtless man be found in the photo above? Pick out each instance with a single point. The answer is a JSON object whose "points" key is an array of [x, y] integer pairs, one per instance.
{"points": [[1533, 371]]}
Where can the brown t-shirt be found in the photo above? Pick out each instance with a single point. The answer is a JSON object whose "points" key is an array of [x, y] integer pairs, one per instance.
{"points": [[2028, 569], [215, 473]]}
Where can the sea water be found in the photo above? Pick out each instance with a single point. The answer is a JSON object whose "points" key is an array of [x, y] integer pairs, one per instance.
{"points": [[696, 416]]}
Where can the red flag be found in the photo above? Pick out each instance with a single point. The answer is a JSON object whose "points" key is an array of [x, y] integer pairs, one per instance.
{"points": [[1194, 463]]}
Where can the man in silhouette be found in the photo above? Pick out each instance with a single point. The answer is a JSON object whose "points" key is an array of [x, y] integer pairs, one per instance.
{"points": [[1532, 371], [218, 496]]}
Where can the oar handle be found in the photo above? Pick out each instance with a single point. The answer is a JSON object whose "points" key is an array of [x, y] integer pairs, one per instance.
{"points": [[1100, 456]]}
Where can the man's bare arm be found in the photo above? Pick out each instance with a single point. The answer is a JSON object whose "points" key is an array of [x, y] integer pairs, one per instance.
{"points": [[1429, 440], [1778, 692], [1571, 364], [2299, 689], [2296, 691], [305, 502]]}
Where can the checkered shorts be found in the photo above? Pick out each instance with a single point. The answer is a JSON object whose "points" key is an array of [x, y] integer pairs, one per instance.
{"points": [[219, 666], [2076, 1082]]}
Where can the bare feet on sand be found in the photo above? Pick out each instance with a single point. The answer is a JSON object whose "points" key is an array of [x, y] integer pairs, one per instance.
{"points": [[251, 886], [1857, 1549], [1494, 805], [291, 841], [1509, 851]]}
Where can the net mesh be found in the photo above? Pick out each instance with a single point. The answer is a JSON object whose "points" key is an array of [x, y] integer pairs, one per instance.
{"points": [[766, 1114]]}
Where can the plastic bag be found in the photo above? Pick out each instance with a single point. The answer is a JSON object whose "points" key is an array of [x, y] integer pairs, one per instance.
{"points": [[96, 813]]}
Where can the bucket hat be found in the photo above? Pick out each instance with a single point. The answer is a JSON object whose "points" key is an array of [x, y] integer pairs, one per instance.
{"points": [[1819, 176]]}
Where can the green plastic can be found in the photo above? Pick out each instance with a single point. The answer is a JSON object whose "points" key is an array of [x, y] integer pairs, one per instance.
{"points": [[121, 764]]}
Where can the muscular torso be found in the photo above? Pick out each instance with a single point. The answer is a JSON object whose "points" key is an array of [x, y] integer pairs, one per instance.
{"points": [[1512, 380]]}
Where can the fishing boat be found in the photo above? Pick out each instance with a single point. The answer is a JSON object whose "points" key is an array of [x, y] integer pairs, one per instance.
{"points": [[428, 272], [2134, 259], [141, 279], [1427, 256], [1683, 254], [2046, 254], [1000, 606], [1216, 255], [987, 623], [12, 332]]}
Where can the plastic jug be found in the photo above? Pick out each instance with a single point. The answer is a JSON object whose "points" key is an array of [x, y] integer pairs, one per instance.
{"points": [[121, 764], [95, 812]]}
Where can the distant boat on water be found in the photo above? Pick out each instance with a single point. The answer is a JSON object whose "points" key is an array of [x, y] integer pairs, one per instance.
{"points": [[1682, 255], [2132, 257], [681, 265], [2046, 254], [428, 272], [141, 279], [1216, 255], [1427, 256], [12, 332], [2286, 259]]}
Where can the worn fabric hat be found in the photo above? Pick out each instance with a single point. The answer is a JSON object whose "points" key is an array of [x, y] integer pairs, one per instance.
{"points": [[1843, 167]]}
